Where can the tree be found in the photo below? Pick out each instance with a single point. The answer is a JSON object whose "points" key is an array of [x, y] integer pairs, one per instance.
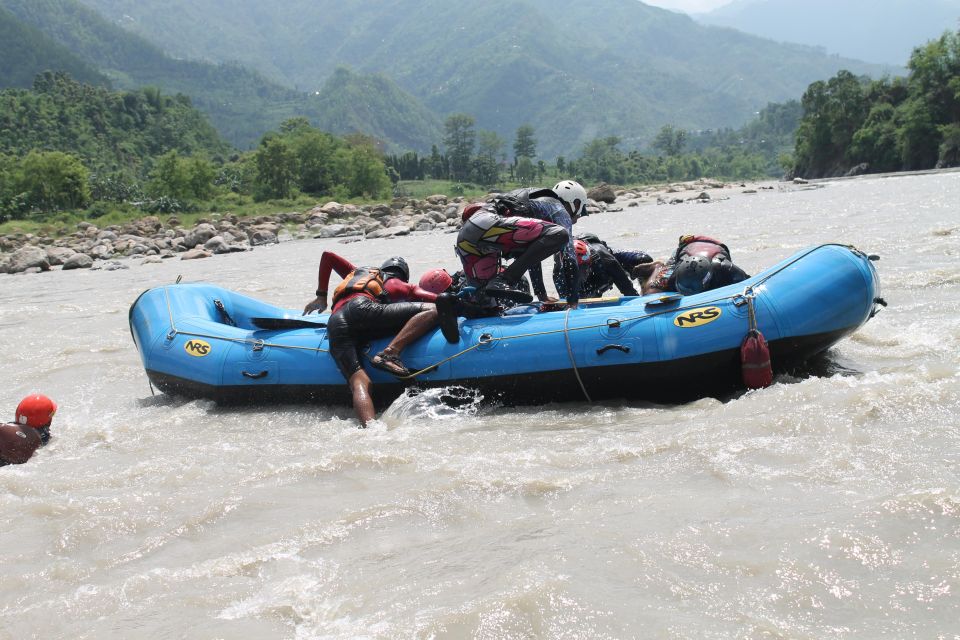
{"points": [[526, 171], [276, 168], [525, 145], [459, 142], [486, 171], [368, 175], [182, 178], [670, 141], [52, 181]]}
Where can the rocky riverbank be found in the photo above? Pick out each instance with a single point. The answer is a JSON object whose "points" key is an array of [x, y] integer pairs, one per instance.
{"points": [[152, 239]]}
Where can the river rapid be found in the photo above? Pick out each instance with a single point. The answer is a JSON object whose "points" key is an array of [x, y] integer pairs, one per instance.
{"points": [[826, 506]]}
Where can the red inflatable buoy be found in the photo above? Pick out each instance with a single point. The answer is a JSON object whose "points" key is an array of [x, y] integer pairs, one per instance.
{"points": [[755, 361], [754, 352]]}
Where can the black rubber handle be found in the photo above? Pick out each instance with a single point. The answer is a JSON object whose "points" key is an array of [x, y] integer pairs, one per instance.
{"points": [[618, 347], [255, 376]]}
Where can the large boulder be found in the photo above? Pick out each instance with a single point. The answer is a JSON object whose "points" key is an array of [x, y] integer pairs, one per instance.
{"points": [[603, 193], [78, 261], [260, 237], [216, 244], [28, 257], [195, 254], [199, 234], [390, 232], [59, 255]]}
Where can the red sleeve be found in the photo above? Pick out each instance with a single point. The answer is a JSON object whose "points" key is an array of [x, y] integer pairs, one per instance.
{"points": [[330, 261], [400, 291]]}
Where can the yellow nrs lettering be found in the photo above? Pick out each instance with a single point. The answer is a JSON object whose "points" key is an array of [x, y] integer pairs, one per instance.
{"points": [[197, 348], [697, 317]]}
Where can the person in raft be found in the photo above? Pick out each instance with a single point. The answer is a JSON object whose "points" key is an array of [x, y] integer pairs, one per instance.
{"points": [[602, 268], [700, 263], [527, 225], [371, 303], [29, 431], [452, 298]]}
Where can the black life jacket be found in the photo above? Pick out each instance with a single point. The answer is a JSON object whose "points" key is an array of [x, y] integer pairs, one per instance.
{"points": [[361, 280], [517, 202]]}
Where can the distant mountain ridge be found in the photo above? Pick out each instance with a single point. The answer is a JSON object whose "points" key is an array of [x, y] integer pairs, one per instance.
{"points": [[242, 104], [26, 51], [882, 32], [574, 70]]}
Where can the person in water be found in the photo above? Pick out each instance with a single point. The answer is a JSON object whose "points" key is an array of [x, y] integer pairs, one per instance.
{"points": [[29, 431], [371, 303], [528, 226], [602, 268], [700, 263]]}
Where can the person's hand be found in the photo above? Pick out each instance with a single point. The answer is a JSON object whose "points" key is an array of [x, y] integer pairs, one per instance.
{"points": [[319, 305]]}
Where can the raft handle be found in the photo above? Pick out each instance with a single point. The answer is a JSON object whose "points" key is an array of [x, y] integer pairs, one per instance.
{"points": [[258, 346], [873, 257], [255, 376], [613, 323], [619, 347], [485, 338]]}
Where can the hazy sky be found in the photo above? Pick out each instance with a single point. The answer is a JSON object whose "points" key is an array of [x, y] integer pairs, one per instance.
{"points": [[690, 6]]}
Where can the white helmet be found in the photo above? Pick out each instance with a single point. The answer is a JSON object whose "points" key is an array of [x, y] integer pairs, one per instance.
{"points": [[574, 195]]}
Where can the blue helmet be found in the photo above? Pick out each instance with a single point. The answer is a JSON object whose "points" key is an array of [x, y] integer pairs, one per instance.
{"points": [[693, 274]]}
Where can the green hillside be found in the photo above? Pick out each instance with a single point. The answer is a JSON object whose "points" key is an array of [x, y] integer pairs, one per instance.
{"points": [[241, 104], [575, 70], [375, 106], [25, 52], [108, 131]]}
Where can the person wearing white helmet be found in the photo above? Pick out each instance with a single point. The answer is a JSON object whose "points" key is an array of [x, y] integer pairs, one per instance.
{"points": [[527, 225], [29, 431]]}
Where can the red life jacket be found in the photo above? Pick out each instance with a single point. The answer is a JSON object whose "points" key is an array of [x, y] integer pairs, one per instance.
{"points": [[363, 280]]}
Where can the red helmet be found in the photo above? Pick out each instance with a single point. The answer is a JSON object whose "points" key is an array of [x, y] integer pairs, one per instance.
{"points": [[471, 209], [582, 250], [436, 281], [36, 411]]}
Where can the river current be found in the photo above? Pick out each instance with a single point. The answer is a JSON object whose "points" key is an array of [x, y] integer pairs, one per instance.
{"points": [[826, 506]]}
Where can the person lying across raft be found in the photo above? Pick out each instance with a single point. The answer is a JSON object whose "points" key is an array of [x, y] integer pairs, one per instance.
{"points": [[700, 263], [29, 431], [371, 303]]}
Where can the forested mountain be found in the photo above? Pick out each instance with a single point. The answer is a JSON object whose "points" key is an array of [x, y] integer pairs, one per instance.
{"points": [[574, 70], [375, 106], [109, 131], [884, 32], [241, 104], [25, 52]]}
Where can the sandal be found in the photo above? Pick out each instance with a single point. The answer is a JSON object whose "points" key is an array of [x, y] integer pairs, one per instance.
{"points": [[391, 364]]}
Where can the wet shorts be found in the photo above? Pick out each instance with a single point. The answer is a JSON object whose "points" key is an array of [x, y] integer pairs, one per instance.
{"points": [[361, 320]]}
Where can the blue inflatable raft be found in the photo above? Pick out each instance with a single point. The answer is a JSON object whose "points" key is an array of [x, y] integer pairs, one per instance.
{"points": [[203, 341]]}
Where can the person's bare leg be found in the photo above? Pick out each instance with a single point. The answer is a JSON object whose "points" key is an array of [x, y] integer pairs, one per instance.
{"points": [[362, 397], [416, 327]]}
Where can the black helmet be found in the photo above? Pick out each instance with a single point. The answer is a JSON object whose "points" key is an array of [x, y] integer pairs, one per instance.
{"points": [[590, 238], [693, 274], [396, 267]]}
